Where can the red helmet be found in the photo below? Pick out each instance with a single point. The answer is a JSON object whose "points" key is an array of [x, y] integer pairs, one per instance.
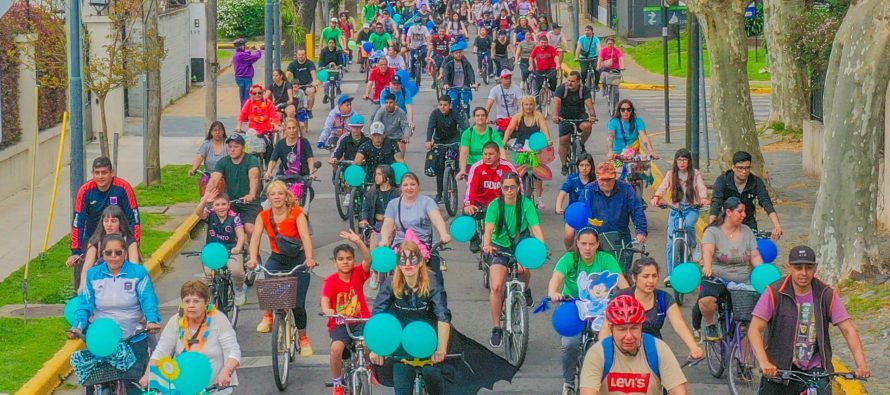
{"points": [[625, 310]]}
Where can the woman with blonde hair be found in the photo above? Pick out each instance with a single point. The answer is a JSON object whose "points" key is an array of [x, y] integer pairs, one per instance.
{"points": [[284, 220], [523, 125], [413, 294]]}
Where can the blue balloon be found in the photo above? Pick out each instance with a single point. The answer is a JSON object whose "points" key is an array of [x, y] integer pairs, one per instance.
{"points": [[576, 215], [383, 333], [566, 321], [463, 228], [537, 141], [686, 277], [214, 255], [431, 25], [103, 337], [354, 175], [195, 373], [531, 253], [399, 169], [71, 308], [383, 259], [368, 47], [763, 275], [419, 340], [411, 87], [769, 251]]}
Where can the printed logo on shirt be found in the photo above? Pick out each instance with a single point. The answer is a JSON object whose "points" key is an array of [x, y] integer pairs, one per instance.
{"points": [[628, 383], [128, 286], [113, 200]]}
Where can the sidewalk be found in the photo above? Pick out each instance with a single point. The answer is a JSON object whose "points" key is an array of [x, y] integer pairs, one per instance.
{"points": [[182, 130]]}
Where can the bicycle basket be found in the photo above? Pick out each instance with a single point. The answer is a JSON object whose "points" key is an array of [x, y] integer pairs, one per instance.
{"points": [[276, 293], [743, 303], [255, 142], [612, 79], [105, 373]]}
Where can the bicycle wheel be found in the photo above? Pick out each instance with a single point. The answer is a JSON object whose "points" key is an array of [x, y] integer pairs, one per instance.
{"points": [[486, 277], [679, 252], [638, 192], [339, 190], [528, 184], [714, 355], [613, 100], [280, 350], [361, 383], [332, 94], [545, 101], [485, 70], [354, 212], [575, 153], [231, 308], [744, 373], [450, 192], [516, 343]]}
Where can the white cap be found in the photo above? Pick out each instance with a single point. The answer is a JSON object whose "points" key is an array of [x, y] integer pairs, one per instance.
{"points": [[377, 128]]}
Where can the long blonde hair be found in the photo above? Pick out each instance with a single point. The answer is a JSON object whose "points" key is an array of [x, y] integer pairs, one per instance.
{"points": [[290, 201], [536, 115], [423, 273]]}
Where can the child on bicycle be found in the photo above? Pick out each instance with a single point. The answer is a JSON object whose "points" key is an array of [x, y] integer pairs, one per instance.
{"points": [[376, 199], [573, 188], [343, 294], [508, 219], [688, 190], [224, 226]]}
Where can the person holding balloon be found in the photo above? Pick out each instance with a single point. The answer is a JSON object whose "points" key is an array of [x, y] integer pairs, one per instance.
{"points": [[414, 294], [199, 327], [508, 219], [573, 188], [529, 154], [224, 226], [379, 151], [376, 200], [484, 182]]}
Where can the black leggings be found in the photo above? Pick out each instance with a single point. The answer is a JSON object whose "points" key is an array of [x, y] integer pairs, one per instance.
{"points": [[589, 66]]}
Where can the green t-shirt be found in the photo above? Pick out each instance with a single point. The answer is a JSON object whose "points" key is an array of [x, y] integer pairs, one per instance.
{"points": [[603, 261], [236, 176], [370, 11], [471, 139], [380, 41], [504, 237], [328, 34]]}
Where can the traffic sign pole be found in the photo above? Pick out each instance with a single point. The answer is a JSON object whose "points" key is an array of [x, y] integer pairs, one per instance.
{"points": [[667, 95]]}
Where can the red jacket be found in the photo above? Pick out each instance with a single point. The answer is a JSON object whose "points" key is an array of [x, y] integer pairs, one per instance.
{"points": [[484, 183], [260, 116]]}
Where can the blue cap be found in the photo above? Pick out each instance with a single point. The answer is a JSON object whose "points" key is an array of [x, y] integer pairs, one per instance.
{"points": [[459, 46], [356, 120], [343, 99]]}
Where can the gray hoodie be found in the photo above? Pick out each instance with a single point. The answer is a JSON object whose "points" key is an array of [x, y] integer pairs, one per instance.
{"points": [[395, 123]]}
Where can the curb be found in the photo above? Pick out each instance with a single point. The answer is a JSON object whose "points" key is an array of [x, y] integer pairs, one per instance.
{"points": [[635, 86], [58, 367]]}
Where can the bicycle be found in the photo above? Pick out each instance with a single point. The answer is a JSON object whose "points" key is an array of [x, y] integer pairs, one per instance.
{"points": [[357, 369], [450, 194], [278, 292], [213, 389], [486, 70], [463, 106], [814, 381], [576, 147], [484, 264], [335, 75], [418, 365], [222, 290], [341, 188], [613, 242], [639, 171], [356, 200], [418, 63], [544, 95], [679, 241], [611, 90], [305, 193], [238, 206], [514, 313], [105, 379]]}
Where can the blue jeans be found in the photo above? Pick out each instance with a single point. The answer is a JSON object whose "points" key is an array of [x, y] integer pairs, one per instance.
{"points": [[244, 85], [457, 94], [691, 216], [568, 356], [281, 263], [403, 379]]}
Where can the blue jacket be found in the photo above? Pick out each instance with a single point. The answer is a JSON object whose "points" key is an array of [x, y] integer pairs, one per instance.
{"points": [[617, 210], [126, 298]]}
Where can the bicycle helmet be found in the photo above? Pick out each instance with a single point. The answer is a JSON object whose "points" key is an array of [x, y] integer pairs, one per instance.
{"points": [[356, 120], [377, 128], [625, 310]]}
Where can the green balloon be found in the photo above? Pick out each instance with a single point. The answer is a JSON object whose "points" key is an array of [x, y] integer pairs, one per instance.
{"points": [[354, 175], [383, 333], [419, 340], [686, 277], [352, 45], [322, 75]]}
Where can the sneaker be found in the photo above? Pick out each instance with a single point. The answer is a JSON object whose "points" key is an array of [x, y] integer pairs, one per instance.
{"points": [[540, 203], [240, 296], [475, 245], [439, 199], [497, 335], [265, 326], [309, 114], [338, 389], [568, 389], [564, 170], [712, 334], [305, 347], [325, 100], [346, 201], [667, 281], [529, 301], [433, 85]]}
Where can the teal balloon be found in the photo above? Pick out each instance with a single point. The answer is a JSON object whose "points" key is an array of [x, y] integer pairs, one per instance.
{"points": [[354, 175], [764, 275], [215, 255], [537, 141], [103, 336], [383, 259], [531, 253], [463, 228], [71, 308], [397, 18], [383, 333], [322, 75], [419, 340], [399, 169], [686, 277], [195, 373]]}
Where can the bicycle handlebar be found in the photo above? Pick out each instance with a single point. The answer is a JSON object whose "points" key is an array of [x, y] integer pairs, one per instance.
{"points": [[804, 377], [694, 206], [419, 363], [281, 273]]}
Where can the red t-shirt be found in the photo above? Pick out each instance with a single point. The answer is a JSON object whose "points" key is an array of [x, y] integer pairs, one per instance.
{"points": [[484, 183], [381, 80], [347, 299], [545, 58], [614, 54]]}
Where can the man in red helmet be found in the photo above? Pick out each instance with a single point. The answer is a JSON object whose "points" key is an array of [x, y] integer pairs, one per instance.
{"points": [[630, 362]]}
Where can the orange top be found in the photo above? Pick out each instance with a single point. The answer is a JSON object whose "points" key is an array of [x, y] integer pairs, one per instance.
{"points": [[288, 227]]}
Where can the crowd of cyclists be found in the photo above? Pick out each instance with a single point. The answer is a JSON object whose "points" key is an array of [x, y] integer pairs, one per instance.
{"points": [[255, 181]]}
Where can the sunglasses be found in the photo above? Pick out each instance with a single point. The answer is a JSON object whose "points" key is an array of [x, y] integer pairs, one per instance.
{"points": [[510, 188], [257, 93], [109, 253], [625, 109], [409, 260]]}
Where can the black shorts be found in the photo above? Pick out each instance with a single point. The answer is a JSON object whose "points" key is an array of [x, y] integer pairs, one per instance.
{"points": [[339, 333], [248, 211], [565, 127], [711, 289]]}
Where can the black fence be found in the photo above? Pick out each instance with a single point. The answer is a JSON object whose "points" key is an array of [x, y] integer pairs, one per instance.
{"points": [[817, 89]]}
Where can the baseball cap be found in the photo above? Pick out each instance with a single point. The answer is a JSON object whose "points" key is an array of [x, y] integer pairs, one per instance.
{"points": [[240, 42], [605, 171], [335, 20], [343, 99], [235, 137], [356, 120], [397, 79], [377, 128], [367, 25], [802, 255], [506, 73]]}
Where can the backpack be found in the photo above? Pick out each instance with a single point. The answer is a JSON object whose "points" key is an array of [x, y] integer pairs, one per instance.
{"points": [[649, 348], [661, 305]]}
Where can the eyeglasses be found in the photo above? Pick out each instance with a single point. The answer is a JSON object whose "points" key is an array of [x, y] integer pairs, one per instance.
{"points": [[625, 109], [109, 253], [742, 168], [682, 159], [510, 188]]}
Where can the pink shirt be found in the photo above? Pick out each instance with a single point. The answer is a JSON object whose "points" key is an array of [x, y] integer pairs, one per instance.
{"points": [[614, 54]]}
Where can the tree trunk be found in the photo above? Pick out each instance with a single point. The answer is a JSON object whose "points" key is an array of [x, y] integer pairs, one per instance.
{"points": [[103, 135], [308, 16], [153, 66], [723, 23], [790, 95], [844, 230]]}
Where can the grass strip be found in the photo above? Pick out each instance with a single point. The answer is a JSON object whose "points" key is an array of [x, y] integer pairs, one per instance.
{"points": [[26, 346]]}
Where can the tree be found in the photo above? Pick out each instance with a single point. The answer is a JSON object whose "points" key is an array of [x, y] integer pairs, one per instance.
{"points": [[723, 23], [789, 103], [844, 230], [152, 63]]}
